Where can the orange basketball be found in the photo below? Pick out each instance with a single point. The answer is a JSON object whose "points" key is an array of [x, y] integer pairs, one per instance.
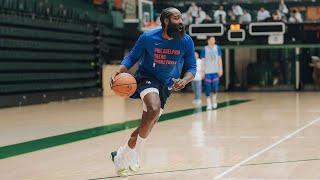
{"points": [[124, 84]]}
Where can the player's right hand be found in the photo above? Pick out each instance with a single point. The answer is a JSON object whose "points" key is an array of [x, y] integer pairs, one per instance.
{"points": [[112, 77], [119, 70]]}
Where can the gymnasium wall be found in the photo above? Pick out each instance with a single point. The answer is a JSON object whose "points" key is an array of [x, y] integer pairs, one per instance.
{"points": [[47, 59]]}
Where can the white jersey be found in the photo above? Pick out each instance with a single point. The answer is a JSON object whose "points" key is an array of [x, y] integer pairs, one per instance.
{"points": [[211, 55]]}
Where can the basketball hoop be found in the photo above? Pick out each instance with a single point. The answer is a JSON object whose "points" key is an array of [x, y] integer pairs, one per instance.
{"points": [[145, 8]]}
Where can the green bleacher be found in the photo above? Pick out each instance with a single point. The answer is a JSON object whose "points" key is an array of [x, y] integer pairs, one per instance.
{"points": [[49, 55], [65, 9]]}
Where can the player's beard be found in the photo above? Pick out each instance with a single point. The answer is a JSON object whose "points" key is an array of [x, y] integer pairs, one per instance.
{"points": [[175, 31]]}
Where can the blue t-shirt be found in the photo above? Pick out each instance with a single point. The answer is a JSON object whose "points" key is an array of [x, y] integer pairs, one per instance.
{"points": [[161, 58]]}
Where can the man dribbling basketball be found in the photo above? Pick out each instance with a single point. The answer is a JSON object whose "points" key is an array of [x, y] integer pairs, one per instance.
{"points": [[164, 52]]}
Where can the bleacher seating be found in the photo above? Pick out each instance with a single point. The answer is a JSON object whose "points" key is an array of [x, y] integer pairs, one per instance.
{"points": [[60, 9], [48, 55]]}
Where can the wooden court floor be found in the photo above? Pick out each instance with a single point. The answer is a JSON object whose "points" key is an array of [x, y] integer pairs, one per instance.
{"points": [[265, 136]]}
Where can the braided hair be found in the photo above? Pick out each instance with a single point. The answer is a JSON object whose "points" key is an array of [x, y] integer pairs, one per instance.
{"points": [[165, 14]]}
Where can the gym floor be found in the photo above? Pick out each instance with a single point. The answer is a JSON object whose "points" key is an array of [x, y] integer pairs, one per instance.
{"points": [[249, 136]]}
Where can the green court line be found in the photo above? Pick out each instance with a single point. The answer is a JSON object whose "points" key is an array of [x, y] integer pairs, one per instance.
{"points": [[43, 143]]}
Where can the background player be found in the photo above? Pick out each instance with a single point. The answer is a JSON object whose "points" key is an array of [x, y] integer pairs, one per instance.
{"points": [[197, 82], [212, 68]]}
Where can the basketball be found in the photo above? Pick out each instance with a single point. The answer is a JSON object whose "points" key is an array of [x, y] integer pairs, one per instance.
{"points": [[124, 85]]}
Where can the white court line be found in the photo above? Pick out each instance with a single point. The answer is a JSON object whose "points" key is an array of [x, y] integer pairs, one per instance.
{"points": [[266, 149]]}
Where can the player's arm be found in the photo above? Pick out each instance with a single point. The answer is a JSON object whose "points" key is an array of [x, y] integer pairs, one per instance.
{"points": [[202, 67], [188, 76], [220, 66], [191, 65], [133, 56], [220, 73]]}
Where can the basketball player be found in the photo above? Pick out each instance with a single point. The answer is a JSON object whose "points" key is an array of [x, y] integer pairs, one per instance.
{"points": [[212, 68], [164, 52]]}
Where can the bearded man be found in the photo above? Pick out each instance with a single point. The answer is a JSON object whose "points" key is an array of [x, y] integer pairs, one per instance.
{"points": [[164, 52]]}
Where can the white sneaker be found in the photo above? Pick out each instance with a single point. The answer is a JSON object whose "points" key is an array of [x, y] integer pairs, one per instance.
{"points": [[209, 107], [197, 102], [134, 161], [214, 105], [120, 163]]}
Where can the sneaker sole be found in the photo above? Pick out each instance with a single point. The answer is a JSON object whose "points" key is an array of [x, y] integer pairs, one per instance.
{"points": [[121, 172], [134, 168]]}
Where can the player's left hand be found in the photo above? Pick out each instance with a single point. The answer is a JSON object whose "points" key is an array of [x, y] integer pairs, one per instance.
{"points": [[179, 84], [220, 73]]}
